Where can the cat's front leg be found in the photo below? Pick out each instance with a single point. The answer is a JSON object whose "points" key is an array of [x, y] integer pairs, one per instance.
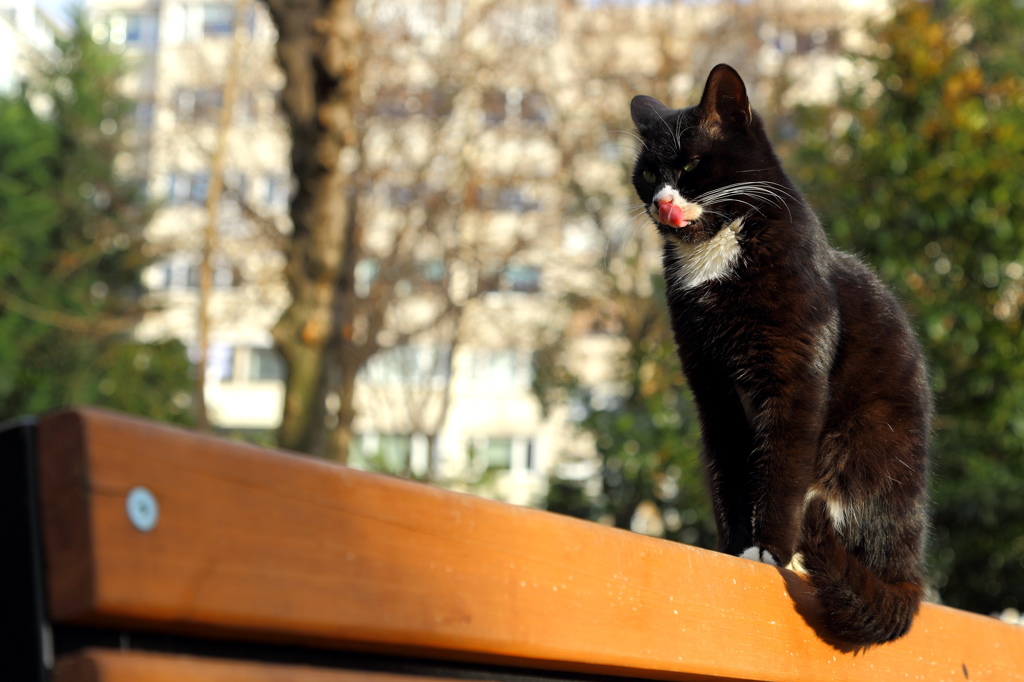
{"points": [[727, 444], [787, 418]]}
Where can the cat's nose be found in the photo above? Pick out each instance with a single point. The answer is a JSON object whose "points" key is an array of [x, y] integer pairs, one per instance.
{"points": [[671, 215]]}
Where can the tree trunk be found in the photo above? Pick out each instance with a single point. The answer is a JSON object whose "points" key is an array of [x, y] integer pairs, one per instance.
{"points": [[343, 435], [434, 432], [318, 49], [345, 357], [213, 198]]}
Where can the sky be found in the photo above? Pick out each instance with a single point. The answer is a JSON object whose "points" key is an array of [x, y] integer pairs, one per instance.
{"points": [[57, 8]]}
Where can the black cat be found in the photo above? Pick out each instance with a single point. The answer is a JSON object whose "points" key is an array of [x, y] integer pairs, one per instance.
{"points": [[811, 387]]}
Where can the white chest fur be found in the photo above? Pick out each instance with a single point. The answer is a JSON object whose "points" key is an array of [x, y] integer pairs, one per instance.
{"points": [[712, 260]]}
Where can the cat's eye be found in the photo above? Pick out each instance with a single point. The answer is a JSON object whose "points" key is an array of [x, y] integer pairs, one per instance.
{"points": [[691, 164], [649, 177]]}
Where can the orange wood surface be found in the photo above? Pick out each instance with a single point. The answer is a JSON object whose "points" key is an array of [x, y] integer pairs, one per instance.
{"points": [[259, 544], [101, 665]]}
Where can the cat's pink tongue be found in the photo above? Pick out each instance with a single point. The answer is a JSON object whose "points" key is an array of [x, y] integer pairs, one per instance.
{"points": [[671, 215]]}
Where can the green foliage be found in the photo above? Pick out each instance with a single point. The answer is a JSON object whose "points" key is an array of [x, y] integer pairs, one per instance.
{"points": [[646, 433], [924, 178], [71, 249]]}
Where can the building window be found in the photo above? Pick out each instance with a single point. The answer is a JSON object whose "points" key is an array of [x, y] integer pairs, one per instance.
{"points": [[397, 101], [534, 107], [516, 201], [502, 368], [278, 191], [408, 366], [387, 452], [432, 271], [522, 278], [237, 184], [204, 106], [265, 364], [182, 275], [218, 19], [246, 109], [518, 278], [494, 107], [191, 22], [199, 186], [220, 363], [507, 199], [183, 188], [131, 29], [365, 275], [530, 107], [144, 115], [192, 277], [400, 195], [492, 454], [199, 106]]}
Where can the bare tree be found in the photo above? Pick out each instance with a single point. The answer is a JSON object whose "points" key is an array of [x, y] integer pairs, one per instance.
{"points": [[319, 48], [441, 161], [418, 110], [218, 162], [344, 147]]}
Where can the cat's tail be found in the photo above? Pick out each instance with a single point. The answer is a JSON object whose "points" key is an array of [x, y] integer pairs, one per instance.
{"points": [[860, 607]]}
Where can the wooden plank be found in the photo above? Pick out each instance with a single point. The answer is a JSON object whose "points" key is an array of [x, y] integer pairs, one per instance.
{"points": [[260, 544], [102, 665]]}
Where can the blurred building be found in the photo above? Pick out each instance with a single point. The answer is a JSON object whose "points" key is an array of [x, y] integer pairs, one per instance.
{"points": [[180, 58], [490, 142], [27, 35]]}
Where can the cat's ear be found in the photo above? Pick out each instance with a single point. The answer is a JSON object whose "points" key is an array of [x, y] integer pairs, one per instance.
{"points": [[648, 113], [724, 101]]}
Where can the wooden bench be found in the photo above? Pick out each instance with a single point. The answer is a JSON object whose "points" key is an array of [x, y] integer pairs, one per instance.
{"points": [[132, 551]]}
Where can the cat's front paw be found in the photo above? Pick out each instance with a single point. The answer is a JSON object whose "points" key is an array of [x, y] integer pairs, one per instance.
{"points": [[755, 553]]}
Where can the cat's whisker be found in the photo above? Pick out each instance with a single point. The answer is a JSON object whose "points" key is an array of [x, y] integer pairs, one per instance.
{"points": [[675, 140], [782, 189], [631, 232], [681, 132], [767, 198], [752, 206], [636, 213], [634, 223], [756, 183], [630, 218], [768, 192], [634, 136], [707, 213], [749, 187], [635, 150]]}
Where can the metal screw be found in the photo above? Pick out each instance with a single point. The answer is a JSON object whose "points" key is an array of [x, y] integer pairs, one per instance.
{"points": [[143, 510]]}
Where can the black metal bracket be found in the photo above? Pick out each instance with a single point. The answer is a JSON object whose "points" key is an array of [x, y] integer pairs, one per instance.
{"points": [[26, 641]]}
